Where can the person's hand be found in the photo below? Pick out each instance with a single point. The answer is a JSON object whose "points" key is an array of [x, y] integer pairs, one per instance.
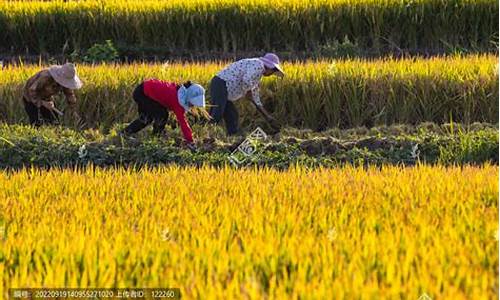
{"points": [[48, 105]]}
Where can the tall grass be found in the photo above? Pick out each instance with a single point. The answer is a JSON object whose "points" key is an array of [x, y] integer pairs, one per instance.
{"points": [[313, 95], [236, 25], [347, 233]]}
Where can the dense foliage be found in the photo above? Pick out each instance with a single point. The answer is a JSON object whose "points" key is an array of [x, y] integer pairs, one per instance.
{"points": [[235, 25]]}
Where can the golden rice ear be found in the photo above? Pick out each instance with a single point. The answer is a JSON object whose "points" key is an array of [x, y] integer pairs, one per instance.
{"points": [[194, 111], [199, 111], [205, 114]]}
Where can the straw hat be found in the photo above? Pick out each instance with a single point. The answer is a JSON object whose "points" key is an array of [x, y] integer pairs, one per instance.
{"points": [[272, 61], [66, 76]]}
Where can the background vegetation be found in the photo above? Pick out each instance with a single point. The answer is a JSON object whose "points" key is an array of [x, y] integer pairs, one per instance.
{"points": [[197, 26]]}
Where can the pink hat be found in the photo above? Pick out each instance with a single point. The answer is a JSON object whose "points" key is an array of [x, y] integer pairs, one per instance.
{"points": [[272, 61]]}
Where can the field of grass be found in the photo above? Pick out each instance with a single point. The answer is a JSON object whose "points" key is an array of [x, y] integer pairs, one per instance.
{"points": [[450, 144], [356, 233], [316, 95], [244, 25]]}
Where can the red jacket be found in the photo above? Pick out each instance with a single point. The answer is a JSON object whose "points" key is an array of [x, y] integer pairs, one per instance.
{"points": [[165, 93]]}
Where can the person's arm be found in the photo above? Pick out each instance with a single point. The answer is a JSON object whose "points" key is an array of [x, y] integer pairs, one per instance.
{"points": [[71, 100], [70, 96], [270, 119], [255, 98], [251, 80], [33, 91], [186, 130]]}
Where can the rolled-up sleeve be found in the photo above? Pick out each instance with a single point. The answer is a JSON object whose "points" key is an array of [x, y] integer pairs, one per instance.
{"points": [[251, 81], [256, 95]]}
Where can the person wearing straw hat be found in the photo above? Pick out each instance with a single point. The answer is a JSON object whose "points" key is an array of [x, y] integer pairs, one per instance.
{"points": [[40, 88], [155, 98], [241, 79]]}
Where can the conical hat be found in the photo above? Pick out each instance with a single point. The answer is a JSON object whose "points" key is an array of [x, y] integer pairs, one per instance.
{"points": [[66, 76]]}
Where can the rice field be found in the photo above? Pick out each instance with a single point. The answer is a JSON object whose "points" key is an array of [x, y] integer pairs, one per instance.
{"points": [[382, 182], [315, 94], [351, 233], [57, 27]]}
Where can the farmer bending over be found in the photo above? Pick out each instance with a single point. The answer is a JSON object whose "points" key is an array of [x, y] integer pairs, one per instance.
{"points": [[40, 88], [155, 98], [241, 79]]}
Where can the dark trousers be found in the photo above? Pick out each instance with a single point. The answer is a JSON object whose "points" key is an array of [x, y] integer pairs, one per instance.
{"points": [[223, 108], [150, 111], [39, 116]]}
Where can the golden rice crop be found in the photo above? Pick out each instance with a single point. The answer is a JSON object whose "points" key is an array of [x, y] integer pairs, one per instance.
{"points": [[314, 95], [346, 233], [248, 25]]}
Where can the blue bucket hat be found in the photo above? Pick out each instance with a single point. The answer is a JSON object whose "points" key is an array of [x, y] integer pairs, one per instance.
{"points": [[194, 95]]}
